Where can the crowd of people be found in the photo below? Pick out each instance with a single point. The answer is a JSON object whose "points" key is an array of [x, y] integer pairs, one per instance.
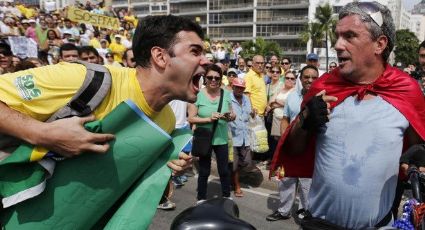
{"points": [[349, 117]]}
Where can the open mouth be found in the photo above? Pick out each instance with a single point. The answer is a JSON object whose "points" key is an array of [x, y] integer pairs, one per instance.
{"points": [[196, 82], [342, 60]]}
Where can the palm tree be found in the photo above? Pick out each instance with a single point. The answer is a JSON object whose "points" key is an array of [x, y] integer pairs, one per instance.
{"points": [[261, 47], [312, 31], [324, 16]]}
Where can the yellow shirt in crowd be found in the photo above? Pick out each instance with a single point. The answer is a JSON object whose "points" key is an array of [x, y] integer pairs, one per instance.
{"points": [[40, 92], [256, 87], [118, 51], [95, 43]]}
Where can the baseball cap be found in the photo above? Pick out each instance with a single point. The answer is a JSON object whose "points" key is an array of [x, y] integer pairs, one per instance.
{"points": [[231, 70], [239, 82], [31, 21], [118, 36], [103, 40], [312, 56]]}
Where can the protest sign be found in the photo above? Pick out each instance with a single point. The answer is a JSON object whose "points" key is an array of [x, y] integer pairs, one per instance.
{"points": [[83, 16], [23, 47]]}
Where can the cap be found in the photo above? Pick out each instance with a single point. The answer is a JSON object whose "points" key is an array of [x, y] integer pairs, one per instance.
{"points": [[118, 36], [103, 40], [31, 21], [24, 21], [121, 28], [312, 56], [239, 82], [232, 70]]}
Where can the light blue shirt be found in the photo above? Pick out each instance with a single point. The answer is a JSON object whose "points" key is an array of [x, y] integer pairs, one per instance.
{"points": [[357, 162], [239, 126], [293, 105]]}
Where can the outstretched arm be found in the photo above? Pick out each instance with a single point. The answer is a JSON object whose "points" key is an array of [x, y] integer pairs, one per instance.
{"points": [[66, 137]]}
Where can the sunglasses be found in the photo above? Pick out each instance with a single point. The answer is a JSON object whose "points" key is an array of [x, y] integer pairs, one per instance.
{"points": [[268, 67], [108, 56], [373, 11], [275, 72], [285, 63], [210, 78], [290, 78], [249, 66], [232, 75], [332, 66]]}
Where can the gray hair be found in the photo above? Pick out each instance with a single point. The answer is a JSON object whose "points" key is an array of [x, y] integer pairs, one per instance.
{"points": [[387, 29]]}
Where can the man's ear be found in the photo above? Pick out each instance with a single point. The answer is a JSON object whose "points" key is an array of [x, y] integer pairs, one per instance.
{"points": [[159, 56], [381, 44]]}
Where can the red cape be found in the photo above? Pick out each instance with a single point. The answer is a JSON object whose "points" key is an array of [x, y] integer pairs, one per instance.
{"points": [[394, 86]]}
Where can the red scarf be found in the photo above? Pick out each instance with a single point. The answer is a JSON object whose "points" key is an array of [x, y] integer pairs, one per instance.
{"points": [[394, 86]]}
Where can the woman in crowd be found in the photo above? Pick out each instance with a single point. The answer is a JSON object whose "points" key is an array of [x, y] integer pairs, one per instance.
{"points": [[277, 102], [110, 60], [52, 43], [272, 89], [203, 114]]}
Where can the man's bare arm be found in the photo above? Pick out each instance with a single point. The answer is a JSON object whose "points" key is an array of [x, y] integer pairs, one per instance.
{"points": [[66, 137]]}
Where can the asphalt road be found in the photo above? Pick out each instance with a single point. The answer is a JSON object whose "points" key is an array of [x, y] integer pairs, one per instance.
{"points": [[253, 207]]}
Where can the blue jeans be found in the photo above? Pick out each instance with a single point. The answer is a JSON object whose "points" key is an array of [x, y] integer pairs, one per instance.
{"points": [[222, 156]]}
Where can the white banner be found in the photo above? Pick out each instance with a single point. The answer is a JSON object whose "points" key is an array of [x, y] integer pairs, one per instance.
{"points": [[23, 47]]}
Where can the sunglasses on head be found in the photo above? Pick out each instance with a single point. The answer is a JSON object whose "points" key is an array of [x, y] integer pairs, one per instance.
{"points": [[373, 11], [210, 78]]}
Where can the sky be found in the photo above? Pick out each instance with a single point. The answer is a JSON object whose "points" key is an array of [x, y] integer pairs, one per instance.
{"points": [[408, 4]]}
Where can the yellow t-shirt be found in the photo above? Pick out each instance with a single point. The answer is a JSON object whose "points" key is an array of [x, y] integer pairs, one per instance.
{"points": [[40, 92], [95, 43], [118, 50], [256, 87]]}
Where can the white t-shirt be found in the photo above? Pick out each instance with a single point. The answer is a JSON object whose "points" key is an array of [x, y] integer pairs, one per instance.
{"points": [[180, 111]]}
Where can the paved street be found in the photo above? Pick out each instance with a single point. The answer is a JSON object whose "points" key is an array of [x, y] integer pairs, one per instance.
{"points": [[253, 207]]}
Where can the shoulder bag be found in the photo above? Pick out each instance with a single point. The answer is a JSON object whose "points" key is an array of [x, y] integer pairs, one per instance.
{"points": [[202, 137]]}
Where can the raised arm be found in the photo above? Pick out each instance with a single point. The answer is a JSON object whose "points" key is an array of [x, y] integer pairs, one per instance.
{"points": [[315, 114]]}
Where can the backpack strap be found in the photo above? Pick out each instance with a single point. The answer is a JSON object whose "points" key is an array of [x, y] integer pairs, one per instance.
{"points": [[95, 87]]}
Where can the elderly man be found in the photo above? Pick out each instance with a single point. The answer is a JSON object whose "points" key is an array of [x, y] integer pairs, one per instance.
{"points": [[255, 85], [356, 121]]}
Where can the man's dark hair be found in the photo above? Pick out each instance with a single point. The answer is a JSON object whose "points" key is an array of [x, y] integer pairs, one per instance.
{"points": [[67, 47], [5, 49], [24, 65], [159, 31], [287, 58], [308, 67], [88, 50]]}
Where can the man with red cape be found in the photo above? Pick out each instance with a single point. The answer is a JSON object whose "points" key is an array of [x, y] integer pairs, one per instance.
{"points": [[354, 124]]}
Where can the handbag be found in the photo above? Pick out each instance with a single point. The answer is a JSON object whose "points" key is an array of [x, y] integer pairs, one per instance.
{"points": [[202, 137]]}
